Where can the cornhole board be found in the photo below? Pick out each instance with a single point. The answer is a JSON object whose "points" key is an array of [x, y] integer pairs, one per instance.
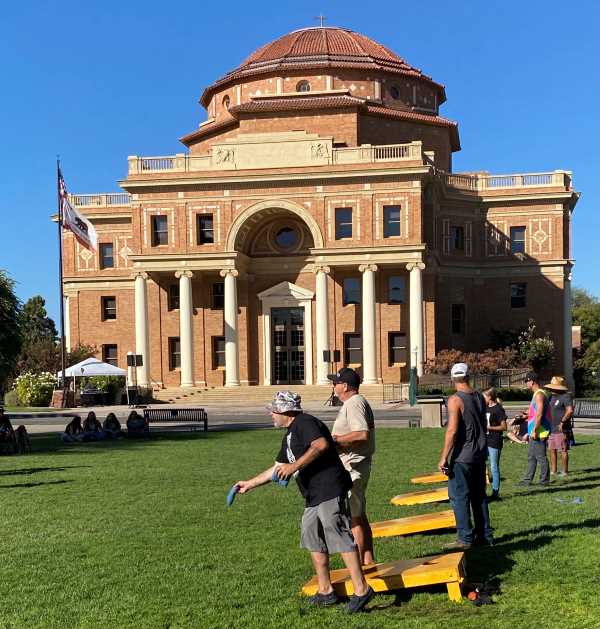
{"points": [[414, 524], [429, 479], [407, 573], [425, 496], [436, 477]]}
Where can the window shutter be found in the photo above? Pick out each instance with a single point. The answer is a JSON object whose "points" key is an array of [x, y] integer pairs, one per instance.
{"points": [[446, 236], [468, 239]]}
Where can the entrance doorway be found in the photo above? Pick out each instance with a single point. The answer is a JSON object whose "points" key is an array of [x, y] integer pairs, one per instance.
{"points": [[287, 347]]}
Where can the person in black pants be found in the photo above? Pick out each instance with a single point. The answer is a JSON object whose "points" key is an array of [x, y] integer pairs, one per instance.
{"points": [[463, 459]]}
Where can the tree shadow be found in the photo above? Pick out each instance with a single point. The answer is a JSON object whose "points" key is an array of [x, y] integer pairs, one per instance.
{"points": [[590, 523], [29, 485], [34, 470], [553, 489]]}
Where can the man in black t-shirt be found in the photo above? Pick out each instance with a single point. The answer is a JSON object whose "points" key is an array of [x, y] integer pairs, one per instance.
{"points": [[561, 428], [308, 454]]}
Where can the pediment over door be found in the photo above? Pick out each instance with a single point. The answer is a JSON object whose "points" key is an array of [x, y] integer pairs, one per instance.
{"points": [[286, 290]]}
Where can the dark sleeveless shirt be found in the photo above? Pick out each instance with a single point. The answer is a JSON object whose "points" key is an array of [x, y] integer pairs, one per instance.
{"points": [[470, 444]]}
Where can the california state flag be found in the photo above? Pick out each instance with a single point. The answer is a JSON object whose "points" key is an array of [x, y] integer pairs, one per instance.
{"points": [[81, 227]]}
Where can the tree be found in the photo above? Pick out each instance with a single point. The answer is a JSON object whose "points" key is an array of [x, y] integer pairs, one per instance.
{"points": [[10, 330], [537, 351], [586, 313], [35, 322]]}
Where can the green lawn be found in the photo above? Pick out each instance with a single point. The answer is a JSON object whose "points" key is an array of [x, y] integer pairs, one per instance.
{"points": [[137, 535]]}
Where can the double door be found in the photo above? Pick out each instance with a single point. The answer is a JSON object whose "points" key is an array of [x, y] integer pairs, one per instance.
{"points": [[287, 345]]}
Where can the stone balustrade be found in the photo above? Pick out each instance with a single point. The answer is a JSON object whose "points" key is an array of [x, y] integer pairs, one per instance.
{"points": [[108, 199], [486, 183]]}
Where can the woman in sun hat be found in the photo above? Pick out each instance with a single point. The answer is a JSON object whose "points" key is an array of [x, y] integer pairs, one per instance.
{"points": [[561, 434]]}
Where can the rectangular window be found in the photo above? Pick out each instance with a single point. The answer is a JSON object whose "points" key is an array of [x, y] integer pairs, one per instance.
{"points": [[173, 296], [351, 290], [218, 351], [396, 289], [107, 260], [160, 230], [352, 349], [517, 239], [518, 295], [174, 353], [391, 220], [397, 346], [109, 308], [457, 238], [218, 295], [458, 319], [343, 223], [109, 355], [204, 229]]}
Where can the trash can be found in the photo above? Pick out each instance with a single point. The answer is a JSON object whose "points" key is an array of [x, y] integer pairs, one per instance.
{"points": [[431, 410]]}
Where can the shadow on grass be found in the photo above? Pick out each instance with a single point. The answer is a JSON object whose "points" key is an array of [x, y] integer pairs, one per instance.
{"points": [[555, 489], [28, 485], [590, 523], [27, 471]]}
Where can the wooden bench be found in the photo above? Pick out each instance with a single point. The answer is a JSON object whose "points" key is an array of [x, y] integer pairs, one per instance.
{"points": [[193, 416], [414, 524], [422, 497], [586, 409], [446, 569]]}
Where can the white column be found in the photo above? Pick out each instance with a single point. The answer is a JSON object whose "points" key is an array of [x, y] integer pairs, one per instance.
{"points": [[186, 334], [567, 329], [322, 313], [416, 315], [67, 324], [232, 378], [369, 339], [142, 345]]}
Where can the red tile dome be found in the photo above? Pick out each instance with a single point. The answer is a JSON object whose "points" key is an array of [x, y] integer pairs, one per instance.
{"points": [[317, 48]]}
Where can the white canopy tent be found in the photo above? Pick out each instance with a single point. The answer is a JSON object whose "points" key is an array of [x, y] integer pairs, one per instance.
{"points": [[92, 367]]}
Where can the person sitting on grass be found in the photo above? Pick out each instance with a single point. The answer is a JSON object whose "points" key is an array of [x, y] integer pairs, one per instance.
{"points": [[308, 454], [92, 428], [7, 433], [496, 418], [112, 427], [73, 431], [137, 426], [518, 430]]}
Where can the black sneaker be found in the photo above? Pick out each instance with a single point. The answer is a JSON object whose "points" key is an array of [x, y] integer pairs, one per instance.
{"points": [[524, 483], [457, 545], [324, 600], [357, 603], [494, 496]]}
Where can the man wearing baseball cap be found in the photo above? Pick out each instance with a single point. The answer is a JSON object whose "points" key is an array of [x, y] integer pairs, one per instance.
{"points": [[463, 459], [308, 453], [354, 434]]}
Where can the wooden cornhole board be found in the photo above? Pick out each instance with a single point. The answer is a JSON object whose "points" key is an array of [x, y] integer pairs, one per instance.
{"points": [[429, 479], [408, 573], [414, 524], [440, 494]]}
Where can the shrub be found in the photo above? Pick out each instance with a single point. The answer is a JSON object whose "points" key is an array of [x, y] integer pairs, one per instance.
{"points": [[12, 398], [107, 384], [35, 389], [487, 362]]}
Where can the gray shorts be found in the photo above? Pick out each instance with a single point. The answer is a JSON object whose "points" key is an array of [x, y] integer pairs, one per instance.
{"points": [[326, 527]]}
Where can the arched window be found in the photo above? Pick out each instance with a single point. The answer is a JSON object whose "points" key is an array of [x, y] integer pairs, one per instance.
{"points": [[226, 101], [303, 86], [395, 92]]}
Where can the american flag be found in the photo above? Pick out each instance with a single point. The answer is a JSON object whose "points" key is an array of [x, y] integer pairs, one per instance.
{"points": [[73, 220]]}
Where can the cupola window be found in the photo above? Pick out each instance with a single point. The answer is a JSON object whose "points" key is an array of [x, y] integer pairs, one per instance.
{"points": [[226, 101], [303, 86], [395, 92]]}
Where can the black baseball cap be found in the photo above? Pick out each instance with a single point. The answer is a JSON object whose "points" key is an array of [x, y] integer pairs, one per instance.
{"points": [[347, 375], [531, 376]]}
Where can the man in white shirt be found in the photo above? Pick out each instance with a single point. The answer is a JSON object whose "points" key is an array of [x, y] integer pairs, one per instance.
{"points": [[354, 435]]}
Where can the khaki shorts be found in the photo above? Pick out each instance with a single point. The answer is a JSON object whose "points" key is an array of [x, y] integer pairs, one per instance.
{"points": [[326, 527], [358, 493]]}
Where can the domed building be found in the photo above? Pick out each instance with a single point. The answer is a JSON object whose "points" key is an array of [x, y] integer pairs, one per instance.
{"points": [[315, 222]]}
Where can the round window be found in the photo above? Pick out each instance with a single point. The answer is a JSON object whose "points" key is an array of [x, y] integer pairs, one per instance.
{"points": [[303, 86], [286, 237], [395, 92]]}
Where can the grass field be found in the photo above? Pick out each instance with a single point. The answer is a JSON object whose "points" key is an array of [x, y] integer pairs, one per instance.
{"points": [[137, 535]]}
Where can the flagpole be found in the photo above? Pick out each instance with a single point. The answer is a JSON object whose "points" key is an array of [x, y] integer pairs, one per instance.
{"points": [[60, 283]]}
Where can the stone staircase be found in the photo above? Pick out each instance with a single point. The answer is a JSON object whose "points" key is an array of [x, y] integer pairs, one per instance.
{"points": [[254, 395]]}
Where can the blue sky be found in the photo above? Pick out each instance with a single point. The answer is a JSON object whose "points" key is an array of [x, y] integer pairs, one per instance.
{"points": [[97, 81]]}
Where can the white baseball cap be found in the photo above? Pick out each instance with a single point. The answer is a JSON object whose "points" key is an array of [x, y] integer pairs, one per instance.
{"points": [[459, 370]]}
